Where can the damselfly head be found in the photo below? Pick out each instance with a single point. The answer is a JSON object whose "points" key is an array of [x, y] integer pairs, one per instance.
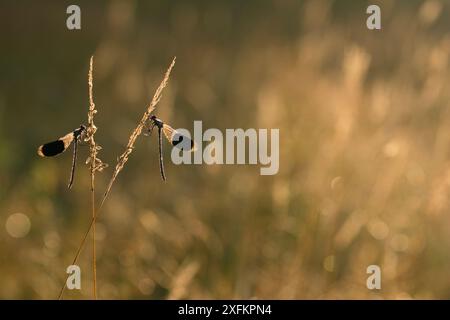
{"points": [[156, 122], [81, 129]]}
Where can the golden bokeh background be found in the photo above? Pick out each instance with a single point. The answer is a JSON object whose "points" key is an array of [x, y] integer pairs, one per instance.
{"points": [[364, 125]]}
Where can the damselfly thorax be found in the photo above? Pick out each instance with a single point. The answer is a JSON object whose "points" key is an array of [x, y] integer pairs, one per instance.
{"points": [[174, 137], [57, 147]]}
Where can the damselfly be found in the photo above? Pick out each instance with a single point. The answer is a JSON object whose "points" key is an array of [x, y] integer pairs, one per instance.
{"points": [[57, 147], [174, 137]]}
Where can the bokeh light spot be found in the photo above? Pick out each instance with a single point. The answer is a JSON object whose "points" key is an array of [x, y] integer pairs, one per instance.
{"points": [[18, 225]]}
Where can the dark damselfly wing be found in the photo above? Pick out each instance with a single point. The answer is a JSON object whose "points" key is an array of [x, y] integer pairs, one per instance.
{"points": [[177, 139], [56, 147]]}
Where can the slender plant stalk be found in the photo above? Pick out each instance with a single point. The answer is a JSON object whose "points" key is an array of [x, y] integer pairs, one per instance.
{"points": [[93, 159], [94, 254], [122, 160]]}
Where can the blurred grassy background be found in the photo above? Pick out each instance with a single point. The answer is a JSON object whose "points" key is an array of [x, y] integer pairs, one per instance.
{"points": [[364, 158]]}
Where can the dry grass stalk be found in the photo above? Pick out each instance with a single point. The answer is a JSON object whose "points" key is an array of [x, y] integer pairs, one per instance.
{"points": [[92, 159], [123, 157], [95, 164], [138, 130]]}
